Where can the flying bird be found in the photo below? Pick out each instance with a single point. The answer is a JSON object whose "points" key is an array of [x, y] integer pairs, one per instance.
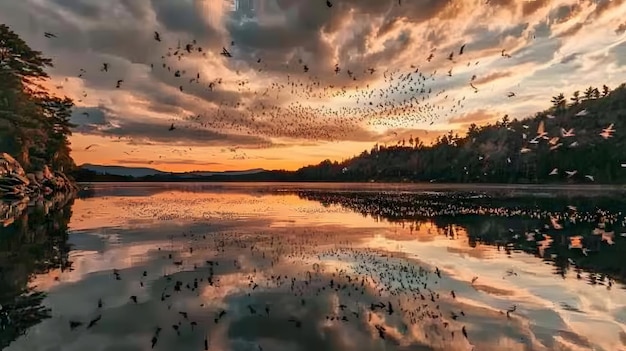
{"points": [[225, 53]]}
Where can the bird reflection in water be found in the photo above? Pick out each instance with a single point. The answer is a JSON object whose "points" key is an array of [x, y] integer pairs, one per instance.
{"points": [[231, 280]]}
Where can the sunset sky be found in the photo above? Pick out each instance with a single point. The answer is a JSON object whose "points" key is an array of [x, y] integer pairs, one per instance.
{"points": [[253, 117]]}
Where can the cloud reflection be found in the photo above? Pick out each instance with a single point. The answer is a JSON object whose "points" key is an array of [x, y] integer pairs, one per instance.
{"points": [[249, 251]]}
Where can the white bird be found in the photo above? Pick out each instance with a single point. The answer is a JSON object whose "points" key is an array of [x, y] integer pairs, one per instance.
{"points": [[606, 135], [623, 165], [575, 242], [524, 136], [567, 133], [525, 150], [609, 129], [590, 177], [555, 223], [582, 113], [541, 130], [555, 146], [608, 237], [550, 116], [571, 173], [534, 141], [554, 172], [574, 144]]}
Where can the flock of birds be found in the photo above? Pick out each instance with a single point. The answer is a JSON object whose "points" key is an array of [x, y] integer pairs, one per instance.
{"points": [[563, 138], [295, 105]]}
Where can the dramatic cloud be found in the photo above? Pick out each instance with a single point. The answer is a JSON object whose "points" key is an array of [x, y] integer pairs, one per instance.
{"points": [[302, 73]]}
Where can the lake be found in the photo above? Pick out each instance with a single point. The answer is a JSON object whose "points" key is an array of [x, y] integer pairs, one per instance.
{"points": [[186, 266]]}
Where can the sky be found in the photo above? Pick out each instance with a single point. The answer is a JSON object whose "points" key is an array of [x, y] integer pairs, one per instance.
{"points": [[376, 72]]}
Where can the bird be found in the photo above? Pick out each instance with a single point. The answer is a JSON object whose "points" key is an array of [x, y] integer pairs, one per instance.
{"points": [[90, 146], [461, 49], [329, 4], [510, 310], [49, 35], [157, 36], [225, 53], [119, 83]]}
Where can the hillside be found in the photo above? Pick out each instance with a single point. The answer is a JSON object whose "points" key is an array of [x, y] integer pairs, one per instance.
{"points": [[509, 151]]}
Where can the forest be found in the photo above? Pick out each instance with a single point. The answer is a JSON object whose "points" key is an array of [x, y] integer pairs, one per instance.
{"points": [[34, 124]]}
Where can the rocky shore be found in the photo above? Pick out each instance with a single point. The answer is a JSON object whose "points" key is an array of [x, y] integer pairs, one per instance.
{"points": [[19, 189]]}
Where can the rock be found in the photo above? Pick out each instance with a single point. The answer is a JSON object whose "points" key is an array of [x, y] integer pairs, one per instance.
{"points": [[9, 165], [47, 174], [16, 184]]}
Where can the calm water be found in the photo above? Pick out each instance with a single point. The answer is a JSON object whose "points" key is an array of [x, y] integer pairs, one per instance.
{"points": [[324, 267]]}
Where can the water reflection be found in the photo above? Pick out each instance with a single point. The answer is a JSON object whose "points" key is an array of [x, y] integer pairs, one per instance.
{"points": [[33, 241], [571, 232], [274, 268]]}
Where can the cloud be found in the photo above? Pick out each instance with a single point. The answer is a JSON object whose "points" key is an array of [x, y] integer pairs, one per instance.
{"points": [[263, 96], [102, 122], [492, 77], [479, 117]]}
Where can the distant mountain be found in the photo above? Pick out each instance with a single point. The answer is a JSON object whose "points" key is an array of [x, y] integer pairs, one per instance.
{"points": [[122, 171], [138, 172]]}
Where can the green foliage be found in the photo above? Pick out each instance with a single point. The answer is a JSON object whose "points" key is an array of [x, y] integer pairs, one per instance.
{"points": [[34, 125], [492, 153]]}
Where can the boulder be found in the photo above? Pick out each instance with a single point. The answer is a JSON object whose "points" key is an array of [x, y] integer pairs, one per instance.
{"points": [[16, 184], [9, 165]]}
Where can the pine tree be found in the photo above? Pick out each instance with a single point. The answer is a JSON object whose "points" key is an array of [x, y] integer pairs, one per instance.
{"points": [[34, 126]]}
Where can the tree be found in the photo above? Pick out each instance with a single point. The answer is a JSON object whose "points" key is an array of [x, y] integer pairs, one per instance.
{"points": [[596, 93], [576, 97], [605, 90], [589, 93], [34, 126], [559, 101]]}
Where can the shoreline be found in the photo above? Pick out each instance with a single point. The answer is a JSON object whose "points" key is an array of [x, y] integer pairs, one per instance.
{"points": [[18, 186], [371, 186]]}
